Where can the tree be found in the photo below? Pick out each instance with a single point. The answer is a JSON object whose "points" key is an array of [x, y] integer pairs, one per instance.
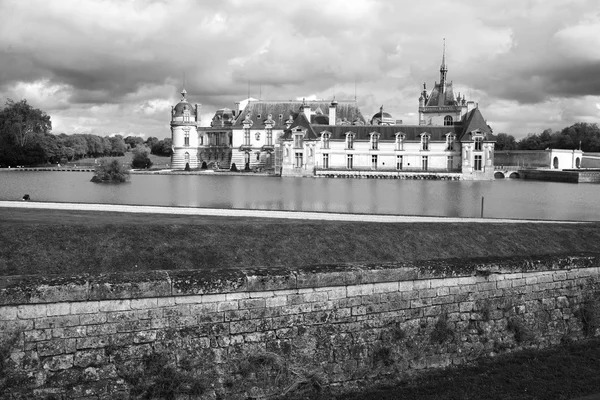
{"points": [[151, 142], [22, 121], [110, 172], [118, 145], [133, 141], [163, 147], [505, 142], [140, 158]]}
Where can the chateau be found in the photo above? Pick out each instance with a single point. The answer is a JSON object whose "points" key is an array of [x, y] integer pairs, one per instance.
{"points": [[333, 138]]}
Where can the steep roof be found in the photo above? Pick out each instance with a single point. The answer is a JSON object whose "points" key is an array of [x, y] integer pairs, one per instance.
{"points": [[281, 110], [439, 98], [473, 120]]}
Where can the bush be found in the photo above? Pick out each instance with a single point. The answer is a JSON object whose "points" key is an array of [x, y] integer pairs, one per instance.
{"points": [[233, 168], [110, 171], [141, 160]]}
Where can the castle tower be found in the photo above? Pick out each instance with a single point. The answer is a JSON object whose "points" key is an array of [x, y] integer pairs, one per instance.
{"points": [[184, 133]]}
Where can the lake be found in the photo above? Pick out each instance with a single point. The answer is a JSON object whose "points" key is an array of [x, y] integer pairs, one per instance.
{"points": [[508, 198]]}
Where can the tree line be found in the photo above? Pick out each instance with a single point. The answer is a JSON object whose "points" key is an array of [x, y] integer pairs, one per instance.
{"points": [[26, 139], [580, 135]]}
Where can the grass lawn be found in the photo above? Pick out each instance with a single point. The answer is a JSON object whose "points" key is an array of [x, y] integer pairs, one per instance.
{"points": [[68, 242], [564, 372]]}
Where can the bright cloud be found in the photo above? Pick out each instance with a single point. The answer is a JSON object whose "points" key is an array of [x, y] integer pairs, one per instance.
{"points": [[108, 66]]}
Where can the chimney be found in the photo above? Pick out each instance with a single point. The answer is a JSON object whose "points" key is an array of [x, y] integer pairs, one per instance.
{"points": [[470, 106], [307, 112], [333, 112]]}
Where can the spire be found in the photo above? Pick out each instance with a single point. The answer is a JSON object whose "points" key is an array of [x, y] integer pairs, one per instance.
{"points": [[443, 69], [183, 91]]}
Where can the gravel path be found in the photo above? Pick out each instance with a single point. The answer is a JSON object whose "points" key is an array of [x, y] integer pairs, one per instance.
{"points": [[263, 213]]}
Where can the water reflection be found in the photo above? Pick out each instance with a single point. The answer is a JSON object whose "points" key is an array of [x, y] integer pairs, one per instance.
{"points": [[503, 198]]}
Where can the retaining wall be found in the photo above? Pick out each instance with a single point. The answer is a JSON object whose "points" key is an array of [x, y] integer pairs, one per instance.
{"points": [[234, 334]]}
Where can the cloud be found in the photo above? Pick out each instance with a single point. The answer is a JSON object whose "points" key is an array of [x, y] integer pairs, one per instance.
{"points": [[115, 66]]}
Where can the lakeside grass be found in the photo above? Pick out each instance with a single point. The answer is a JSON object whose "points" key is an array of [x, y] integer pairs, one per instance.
{"points": [[72, 242], [560, 373]]}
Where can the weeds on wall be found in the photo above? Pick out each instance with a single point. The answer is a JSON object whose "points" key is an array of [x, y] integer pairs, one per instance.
{"points": [[10, 378], [442, 331], [521, 332], [590, 317]]}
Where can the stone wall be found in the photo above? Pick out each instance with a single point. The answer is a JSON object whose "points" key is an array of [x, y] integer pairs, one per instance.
{"points": [[235, 334]]}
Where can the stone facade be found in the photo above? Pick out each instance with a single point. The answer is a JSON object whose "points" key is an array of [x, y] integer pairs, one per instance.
{"points": [[244, 334]]}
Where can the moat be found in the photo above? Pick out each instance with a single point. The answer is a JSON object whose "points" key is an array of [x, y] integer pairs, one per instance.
{"points": [[507, 198]]}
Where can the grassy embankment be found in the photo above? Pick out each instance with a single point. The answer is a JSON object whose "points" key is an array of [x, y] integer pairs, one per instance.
{"points": [[158, 162], [60, 242], [69, 242], [561, 373]]}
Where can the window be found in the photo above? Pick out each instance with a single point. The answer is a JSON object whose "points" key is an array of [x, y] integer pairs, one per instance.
{"points": [[298, 141], [448, 120], [398, 162], [187, 157], [247, 137], [201, 139], [349, 161], [325, 142], [424, 141], [374, 161], [325, 160], [450, 142], [477, 163], [374, 141], [269, 137], [425, 163], [186, 138], [186, 115], [349, 141], [298, 160], [400, 141], [478, 143], [449, 162]]}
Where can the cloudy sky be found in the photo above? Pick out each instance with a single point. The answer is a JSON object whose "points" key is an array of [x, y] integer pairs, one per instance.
{"points": [[116, 66]]}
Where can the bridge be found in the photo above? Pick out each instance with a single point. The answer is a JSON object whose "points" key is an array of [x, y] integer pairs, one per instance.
{"points": [[508, 171]]}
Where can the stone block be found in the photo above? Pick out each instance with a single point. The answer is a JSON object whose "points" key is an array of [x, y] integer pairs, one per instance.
{"points": [[30, 311], [442, 291], [228, 305], [144, 337], [35, 335], [237, 296], [212, 281], [85, 358], [505, 284], [51, 347], [101, 329], [422, 284], [385, 287], [359, 290], [69, 332], [236, 327], [8, 313], [93, 342], [91, 319], [129, 285], [466, 306], [258, 280], [54, 309], [278, 301], [114, 305], [483, 286], [405, 286], [184, 310], [59, 362], [165, 301], [138, 304], [468, 280], [56, 322], [86, 307], [236, 315], [427, 293], [252, 303]]}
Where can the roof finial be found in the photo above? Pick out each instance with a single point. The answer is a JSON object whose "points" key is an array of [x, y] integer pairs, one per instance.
{"points": [[443, 69], [183, 91]]}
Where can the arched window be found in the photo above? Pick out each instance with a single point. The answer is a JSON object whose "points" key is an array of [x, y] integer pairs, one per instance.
{"points": [[187, 157], [349, 140], [374, 141], [400, 141], [448, 120]]}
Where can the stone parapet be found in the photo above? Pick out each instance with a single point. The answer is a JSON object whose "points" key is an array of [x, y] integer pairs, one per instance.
{"points": [[260, 332]]}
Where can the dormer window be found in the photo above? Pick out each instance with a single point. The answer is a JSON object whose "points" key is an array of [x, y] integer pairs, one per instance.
{"points": [[349, 140], [448, 121], [186, 115], [258, 116], [325, 140], [478, 143], [425, 137], [450, 141], [400, 141], [374, 141], [298, 139]]}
